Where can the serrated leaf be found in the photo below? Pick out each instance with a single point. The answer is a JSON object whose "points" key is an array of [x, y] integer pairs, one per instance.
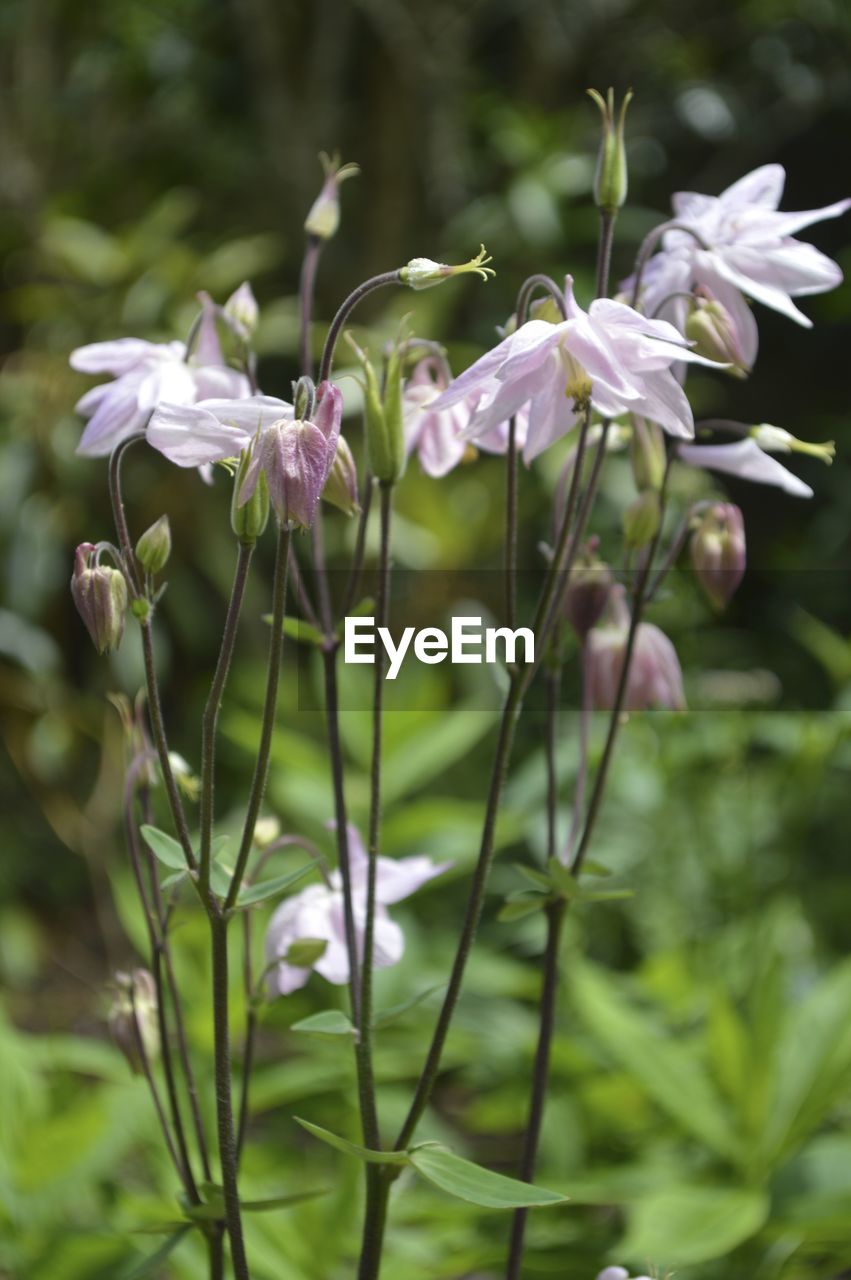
{"points": [[396, 1010], [164, 847], [330, 1022], [352, 1148], [468, 1181], [151, 1265], [268, 888]]}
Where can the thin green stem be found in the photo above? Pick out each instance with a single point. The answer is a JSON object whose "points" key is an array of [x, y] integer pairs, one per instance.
{"points": [[309, 264], [224, 1104], [604, 250], [356, 570], [210, 719], [270, 705], [368, 286]]}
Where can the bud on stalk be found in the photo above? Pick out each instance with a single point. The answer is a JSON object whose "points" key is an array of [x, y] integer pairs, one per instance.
{"points": [[154, 547], [610, 183], [641, 519], [588, 589], [718, 552], [324, 217], [100, 594]]}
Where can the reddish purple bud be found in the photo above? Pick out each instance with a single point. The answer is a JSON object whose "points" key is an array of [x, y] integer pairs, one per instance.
{"points": [[718, 552], [655, 678], [100, 594], [588, 591]]}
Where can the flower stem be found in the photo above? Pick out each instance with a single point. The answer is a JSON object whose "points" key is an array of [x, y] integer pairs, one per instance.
{"points": [[604, 251], [309, 263], [511, 525], [224, 1105], [368, 286], [273, 671], [649, 243], [209, 722]]}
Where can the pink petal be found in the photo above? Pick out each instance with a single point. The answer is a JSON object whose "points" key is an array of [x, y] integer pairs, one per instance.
{"points": [[190, 435], [398, 878], [116, 357], [763, 187], [744, 459]]}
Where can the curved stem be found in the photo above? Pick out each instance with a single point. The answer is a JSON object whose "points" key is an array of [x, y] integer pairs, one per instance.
{"points": [[368, 286], [649, 243], [528, 287], [261, 765], [210, 719]]}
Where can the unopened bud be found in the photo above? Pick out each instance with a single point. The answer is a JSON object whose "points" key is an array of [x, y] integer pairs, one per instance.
{"points": [[715, 335], [242, 311], [324, 217], [641, 519], [133, 1018], [654, 679], [610, 182], [423, 273], [647, 454], [777, 440], [383, 417], [341, 487], [588, 589], [100, 594], [249, 519], [718, 552], [154, 547]]}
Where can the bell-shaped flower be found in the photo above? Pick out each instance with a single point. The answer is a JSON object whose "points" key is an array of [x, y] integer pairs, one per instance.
{"points": [[295, 455], [654, 679], [145, 374], [317, 915], [750, 252], [437, 435], [609, 357]]}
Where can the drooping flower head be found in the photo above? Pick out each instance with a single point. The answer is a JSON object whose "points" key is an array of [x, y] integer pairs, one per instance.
{"points": [[294, 455], [749, 252], [316, 915], [145, 374], [100, 594], [655, 678], [719, 552], [610, 358]]}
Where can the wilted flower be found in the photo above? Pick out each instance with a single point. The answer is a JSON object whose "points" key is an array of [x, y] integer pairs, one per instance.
{"points": [[609, 357], [133, 1018], [100, 594], [295, 456], [654, 679], [718, 552], [745, 460], [750, 253], [316, 915], [146, 373]]}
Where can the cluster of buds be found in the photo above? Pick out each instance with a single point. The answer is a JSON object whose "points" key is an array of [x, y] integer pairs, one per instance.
{"points": [[719, 553], [133, 1018], [100, 594]]}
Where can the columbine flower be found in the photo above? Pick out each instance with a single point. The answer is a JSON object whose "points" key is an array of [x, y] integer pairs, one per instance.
{"points": [[316, 914], [438, 435], [295, 456], [146, 373], [745, 460], [719, 552], [100, 594], [750, 253], [609, 357], [655, 678]]}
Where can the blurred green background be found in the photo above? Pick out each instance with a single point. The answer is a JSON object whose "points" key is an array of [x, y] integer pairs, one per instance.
{"points": [[702, 1066]]}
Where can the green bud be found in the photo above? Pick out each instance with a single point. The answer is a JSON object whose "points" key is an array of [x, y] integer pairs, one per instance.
{"points": [[385, 438], [154, 547], [610, 183], [641, 519], [647, 454], [249, 520]]}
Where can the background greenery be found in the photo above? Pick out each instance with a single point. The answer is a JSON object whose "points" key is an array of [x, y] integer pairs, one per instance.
{"points": [[701, 1097]]}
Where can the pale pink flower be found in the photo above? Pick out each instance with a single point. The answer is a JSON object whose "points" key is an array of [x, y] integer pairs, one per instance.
{"points": [[745, 460], [750, 252], [145, 374], [317, 914], [610, 356], [655, 678]]}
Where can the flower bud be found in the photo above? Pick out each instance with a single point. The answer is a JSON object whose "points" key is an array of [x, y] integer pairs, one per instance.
{"points": [[242, 311], [610, 182], [154, 547], [718, 552], [133, 1018], [383, 417], [641, 519], [248, 519], [777, 440], [423, 273], [647, 454], [715, 335], [100, 594], [655, 678], [266, 831], [341, 487], [324, 217], [588, 589]]}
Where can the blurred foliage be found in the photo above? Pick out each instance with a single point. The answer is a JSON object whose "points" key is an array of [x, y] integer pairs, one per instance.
{"points": [[699, 1114]]}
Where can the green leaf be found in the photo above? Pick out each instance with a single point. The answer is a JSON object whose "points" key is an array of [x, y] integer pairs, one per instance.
{"points": [[177, 878], [607, 895], [151, 1265], [330, 1022], [164, 847], [352, 1148], [299, 630], [592, 868], [280, 1202], [396, 1010], [469, 1182], [685, 1226], [668, 1072], [538, 878], [564, 880], [521, 905], [220, 877], [268, 888]]}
